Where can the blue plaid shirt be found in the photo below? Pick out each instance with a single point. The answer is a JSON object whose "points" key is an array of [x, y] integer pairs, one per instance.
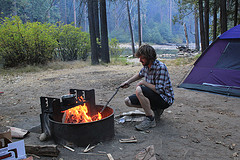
{"points": [[158, 75]]}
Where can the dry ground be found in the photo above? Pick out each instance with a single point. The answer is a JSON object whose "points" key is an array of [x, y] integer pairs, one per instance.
{"points": [[199, 125]]}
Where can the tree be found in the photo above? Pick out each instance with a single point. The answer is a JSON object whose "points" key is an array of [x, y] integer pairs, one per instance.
{"points": [[104, 33], [215, 10], [96, 24], [130, 28], [202, 30], [236, 13], [139, 25], [206, 15], [74, 13], [94, 56], [186, 35], [196, 29], [223, 16]]}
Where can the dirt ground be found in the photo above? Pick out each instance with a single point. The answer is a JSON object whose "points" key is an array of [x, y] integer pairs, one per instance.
{"points": [[198, 126]]}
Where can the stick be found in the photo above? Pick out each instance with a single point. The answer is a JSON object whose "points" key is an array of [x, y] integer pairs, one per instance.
{"points": [[68, 148], [101, 154], [110, 156], [34, 156], [88, 149], [130, 140]]}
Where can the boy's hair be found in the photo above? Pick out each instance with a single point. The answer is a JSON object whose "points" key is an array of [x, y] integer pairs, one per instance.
{"points": [[147, 52]]}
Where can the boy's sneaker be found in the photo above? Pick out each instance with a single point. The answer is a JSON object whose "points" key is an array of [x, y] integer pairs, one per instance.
{"points": [[158, 113], [146, 124]]}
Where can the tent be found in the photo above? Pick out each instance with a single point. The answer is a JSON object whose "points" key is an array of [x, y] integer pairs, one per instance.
{"points": [[217, 70]]}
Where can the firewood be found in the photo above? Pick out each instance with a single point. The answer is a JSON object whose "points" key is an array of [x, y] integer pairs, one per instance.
{"points": [[42, 150], [18, 132]]}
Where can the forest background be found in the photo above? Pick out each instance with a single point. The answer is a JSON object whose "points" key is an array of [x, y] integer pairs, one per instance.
{"points": [[150, 21]]}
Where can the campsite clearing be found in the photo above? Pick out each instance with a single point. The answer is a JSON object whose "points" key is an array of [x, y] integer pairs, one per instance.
{"points": [[199, 125]]}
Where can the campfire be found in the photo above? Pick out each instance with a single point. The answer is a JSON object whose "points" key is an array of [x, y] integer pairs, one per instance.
{"points": [[66, 118], [79, 114]]}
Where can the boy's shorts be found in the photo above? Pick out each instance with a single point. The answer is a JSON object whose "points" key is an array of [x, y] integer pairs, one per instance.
{"points": [[156, 101]]}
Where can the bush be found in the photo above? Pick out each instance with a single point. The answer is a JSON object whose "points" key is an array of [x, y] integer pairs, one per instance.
{"points": [[25, 44], [73, 43], [114, 47], [37, 43]]}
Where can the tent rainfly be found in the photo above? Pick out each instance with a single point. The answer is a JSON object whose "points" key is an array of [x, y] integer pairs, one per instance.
{"points": [[217, 70]]}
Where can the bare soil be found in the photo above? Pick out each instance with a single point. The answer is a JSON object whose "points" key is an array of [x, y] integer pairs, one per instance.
{"points": [[199, 125]]}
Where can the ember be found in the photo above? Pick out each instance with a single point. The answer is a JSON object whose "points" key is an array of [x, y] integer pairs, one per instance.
{"points": [[79, 114]]}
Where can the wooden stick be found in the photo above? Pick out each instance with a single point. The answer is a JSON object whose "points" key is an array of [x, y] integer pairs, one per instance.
{"points": [[101, 154], [110, 156], [34, 156], [88, 149], [68, 148]]}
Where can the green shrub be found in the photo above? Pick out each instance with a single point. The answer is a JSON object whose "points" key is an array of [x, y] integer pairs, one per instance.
{"points": [[25, 44], [114, 47], [73, 43]]}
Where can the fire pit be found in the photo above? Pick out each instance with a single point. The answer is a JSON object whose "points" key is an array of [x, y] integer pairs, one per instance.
{"points": [[76, 119]]}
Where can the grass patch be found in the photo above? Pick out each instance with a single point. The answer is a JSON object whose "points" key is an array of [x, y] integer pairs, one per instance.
{"points": [[181, 61], [50, 66], [116, 60]]}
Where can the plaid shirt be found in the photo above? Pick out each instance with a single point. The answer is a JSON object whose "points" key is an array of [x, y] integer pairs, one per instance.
{"points": [[158, 75]]}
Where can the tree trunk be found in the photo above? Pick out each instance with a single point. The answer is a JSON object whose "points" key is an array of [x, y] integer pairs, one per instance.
{"points": [[215, 8], [223, 16], [94, 56], [74, 13], [104, 32], [206, 15], [96, 25], [65, 11], [236, 13], [130, 28], [197, 47], [139, 25], [85, 18], [15, 7], [170, 15], [186, 35], [202, 31]]}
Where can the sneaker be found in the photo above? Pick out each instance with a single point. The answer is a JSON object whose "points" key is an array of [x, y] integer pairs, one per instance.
{"points": [[146, 124], [158, 113]]}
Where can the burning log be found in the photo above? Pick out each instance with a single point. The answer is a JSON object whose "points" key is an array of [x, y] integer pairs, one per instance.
{"points": [[42, 150]]}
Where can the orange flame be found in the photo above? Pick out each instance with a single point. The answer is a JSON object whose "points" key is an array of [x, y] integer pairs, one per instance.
{"points": [[79, 114]]}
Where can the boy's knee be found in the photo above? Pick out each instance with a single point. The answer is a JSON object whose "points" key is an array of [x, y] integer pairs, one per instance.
{"points": [[127, 102], [138, 90]]}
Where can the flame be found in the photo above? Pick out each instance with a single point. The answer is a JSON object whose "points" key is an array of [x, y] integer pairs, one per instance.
{"points": [[79, 114]]}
